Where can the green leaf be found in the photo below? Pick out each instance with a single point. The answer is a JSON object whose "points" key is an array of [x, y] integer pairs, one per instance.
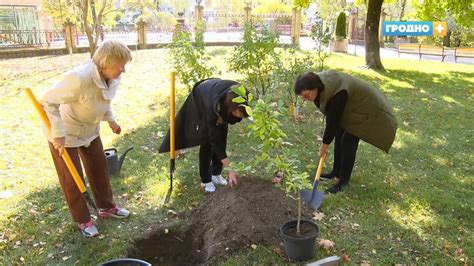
{"points": [[249, 111], [249, 97], [239, 90], [238, 99]]}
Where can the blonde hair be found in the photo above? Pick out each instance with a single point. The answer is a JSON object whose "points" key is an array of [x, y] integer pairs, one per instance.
{"points": [[110, 53]]}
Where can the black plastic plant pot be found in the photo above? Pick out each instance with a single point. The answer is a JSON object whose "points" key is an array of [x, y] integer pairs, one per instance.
{"points": [[299, 248], [126, 262]]}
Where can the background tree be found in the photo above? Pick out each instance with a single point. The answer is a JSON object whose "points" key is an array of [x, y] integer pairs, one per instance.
{"points": [[145, 8], [329, 9], [372, 46], [89, 14], [60, 11], [92, 14], [139, 6], [229, 6], [189, 57], [341, 26], [322, 37], [458, 13], [255, 58], [272, 7], [178, 5]]}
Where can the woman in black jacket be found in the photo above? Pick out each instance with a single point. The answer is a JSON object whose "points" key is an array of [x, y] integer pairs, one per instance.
{"points": [[203, 121]]}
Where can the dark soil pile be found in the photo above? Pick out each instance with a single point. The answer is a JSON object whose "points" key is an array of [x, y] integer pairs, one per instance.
{"points": [[225, 222]]}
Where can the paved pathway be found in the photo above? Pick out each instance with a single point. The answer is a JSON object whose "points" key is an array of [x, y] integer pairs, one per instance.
{"points": [[307, 43]]}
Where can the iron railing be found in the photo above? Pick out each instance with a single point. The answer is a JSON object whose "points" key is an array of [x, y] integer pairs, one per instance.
{"points": [[31, 38]]}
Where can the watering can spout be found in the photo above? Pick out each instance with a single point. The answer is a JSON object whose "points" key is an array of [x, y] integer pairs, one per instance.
{"points": [[122, 157]]}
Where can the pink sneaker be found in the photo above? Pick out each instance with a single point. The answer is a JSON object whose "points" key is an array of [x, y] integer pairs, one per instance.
{"points": [[88, 229], [115, 212]]}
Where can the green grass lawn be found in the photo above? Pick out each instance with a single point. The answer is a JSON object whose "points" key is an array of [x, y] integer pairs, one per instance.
{"points": [[415, 204]]}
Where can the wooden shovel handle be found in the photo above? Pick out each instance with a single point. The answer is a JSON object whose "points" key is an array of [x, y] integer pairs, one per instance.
{"points": [[65, 156], [320, 167], [172, 116]]}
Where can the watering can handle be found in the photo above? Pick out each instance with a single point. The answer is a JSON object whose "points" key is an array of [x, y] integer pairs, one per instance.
{"points": [[320, 167], [111, 149]]}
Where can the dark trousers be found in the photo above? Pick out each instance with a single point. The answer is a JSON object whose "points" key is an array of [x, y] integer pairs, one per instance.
{"points": [[95, 166], [209, 164], [345, 150]]}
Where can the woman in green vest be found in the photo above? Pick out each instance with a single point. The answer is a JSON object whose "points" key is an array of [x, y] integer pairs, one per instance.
{"points": [[354, 110]]}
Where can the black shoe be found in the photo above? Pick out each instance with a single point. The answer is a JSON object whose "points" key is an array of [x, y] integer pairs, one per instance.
{"points": [[327, 176], [335, 189]]}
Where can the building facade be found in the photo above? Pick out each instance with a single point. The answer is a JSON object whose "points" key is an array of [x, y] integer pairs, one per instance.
{"points": [[23, 15]]}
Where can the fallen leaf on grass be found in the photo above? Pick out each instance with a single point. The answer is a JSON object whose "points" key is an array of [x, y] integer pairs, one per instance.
{"points": [[318, 216], [172, 212], [326, 244], [345, 258], [33, 212], [458, 252], [279, 252]]}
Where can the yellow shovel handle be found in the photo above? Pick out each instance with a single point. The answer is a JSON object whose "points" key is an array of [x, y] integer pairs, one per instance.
{"points": [[320, 167], [172, 116], [65, 156]]}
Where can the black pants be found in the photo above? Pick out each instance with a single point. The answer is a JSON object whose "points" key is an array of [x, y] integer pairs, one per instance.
{"points": [[345, 150], [209, 164]]}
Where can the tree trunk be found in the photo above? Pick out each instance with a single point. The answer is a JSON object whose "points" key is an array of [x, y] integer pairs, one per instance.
{"points": [[372, 47], [447, 39], [402, 11]]}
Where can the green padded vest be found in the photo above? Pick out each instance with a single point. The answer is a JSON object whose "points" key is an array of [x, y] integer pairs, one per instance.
{"points": [[367, 115]]}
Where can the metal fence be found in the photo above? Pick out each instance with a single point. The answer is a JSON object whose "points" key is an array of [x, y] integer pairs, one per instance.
{"points": [[279, 22], [31, 38], [218, 28], [223, 22]]}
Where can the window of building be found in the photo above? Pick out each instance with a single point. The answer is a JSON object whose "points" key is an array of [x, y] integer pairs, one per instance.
{"points": [[18, 18]]}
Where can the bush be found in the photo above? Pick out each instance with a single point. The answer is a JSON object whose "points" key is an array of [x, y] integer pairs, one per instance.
{"points": [[189, 58], [256, 58], [341, 26], [322, 37], [293, 63]]}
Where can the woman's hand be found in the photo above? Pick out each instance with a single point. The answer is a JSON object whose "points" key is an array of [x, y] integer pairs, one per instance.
{"points": [[323, 151], [59, 144], [232, 173], [115, 127], [232, 178]]}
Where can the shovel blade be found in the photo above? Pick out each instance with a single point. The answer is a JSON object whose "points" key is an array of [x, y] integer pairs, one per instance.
{"points": [[313, 197], [317, 200], [306, 195]]}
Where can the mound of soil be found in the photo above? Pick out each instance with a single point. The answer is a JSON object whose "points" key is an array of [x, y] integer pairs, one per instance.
{"points": [[227, 221]]}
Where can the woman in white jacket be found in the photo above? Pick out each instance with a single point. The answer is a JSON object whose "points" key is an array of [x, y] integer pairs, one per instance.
{"points": [[75, 106]]}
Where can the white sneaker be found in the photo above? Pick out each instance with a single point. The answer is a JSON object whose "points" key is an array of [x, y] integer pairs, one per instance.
{"points": [[208, 187], [219, 180]]}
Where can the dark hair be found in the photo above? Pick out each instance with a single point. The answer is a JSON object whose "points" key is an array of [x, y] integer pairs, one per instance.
{"points": [[227, 106], [308, 81]]}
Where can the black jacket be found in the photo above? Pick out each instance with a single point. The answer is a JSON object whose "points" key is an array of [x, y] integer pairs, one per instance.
{"points": [[196, 121]]}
